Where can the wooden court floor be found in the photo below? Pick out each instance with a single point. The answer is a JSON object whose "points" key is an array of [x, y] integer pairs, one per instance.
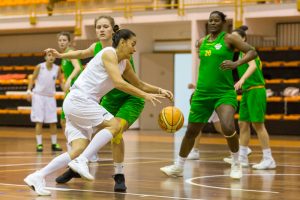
{"points": [[146, 152]]}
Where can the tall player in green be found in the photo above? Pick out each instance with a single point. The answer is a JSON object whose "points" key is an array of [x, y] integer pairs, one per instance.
{"points": [[125, 107], [214, 91], [252, 108], [71, 68]]}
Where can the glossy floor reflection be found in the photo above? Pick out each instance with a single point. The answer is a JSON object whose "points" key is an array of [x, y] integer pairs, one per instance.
{"points": [[147, 151]]}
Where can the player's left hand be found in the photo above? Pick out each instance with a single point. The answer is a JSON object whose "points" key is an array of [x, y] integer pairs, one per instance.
{"points": [[228, 65], [166, 93], [238, 85], [67, 85]]}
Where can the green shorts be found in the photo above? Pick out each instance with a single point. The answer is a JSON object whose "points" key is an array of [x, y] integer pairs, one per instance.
{"points": [[128, 108], [62, 114], [203, 106], [253, 105]]}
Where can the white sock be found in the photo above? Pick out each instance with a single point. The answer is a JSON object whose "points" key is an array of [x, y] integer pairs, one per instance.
{"points": [[180, 162], [99, 140], [57, 163], [243, 151], [267, 154], [235, 157], [195, 149], [119, 168], [54, 139], [39, 139]]}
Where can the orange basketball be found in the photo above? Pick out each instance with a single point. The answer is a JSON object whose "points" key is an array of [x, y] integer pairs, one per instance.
{"points": [[170, 119]]}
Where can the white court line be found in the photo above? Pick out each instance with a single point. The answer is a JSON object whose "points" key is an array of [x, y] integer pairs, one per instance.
{"points": [[190, 181], [145, 158], [104, 192]]}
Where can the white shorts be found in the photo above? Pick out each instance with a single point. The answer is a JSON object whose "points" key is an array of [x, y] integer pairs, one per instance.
{"points": [[43, 109], [82, 115], [213, 118]]}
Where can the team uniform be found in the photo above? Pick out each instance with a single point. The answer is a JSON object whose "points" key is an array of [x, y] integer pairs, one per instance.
{"points": [[214, 86], [81, 106], [43, 98], [121, 104], [254, 98], [67, 68]]}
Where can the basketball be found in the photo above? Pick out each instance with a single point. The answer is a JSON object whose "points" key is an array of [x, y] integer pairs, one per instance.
{"points": [[170, 119]]}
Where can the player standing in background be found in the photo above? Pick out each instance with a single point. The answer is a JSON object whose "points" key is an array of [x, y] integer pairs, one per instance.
{"points": [[43, 109], [71, 68], [252, 108], [215, 91]]}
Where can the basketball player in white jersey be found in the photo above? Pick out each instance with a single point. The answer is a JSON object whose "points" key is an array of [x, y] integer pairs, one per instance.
{"points": [[85, 116], [43, 109]]}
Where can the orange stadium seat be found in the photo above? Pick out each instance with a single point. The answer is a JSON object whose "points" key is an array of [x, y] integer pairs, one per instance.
{"points": [[274, 117], [264, 48], [274, 81], [289, 81], [282, 48], [292, 99], [291, 117], [291, 64], [273, 64], [274, 99]]}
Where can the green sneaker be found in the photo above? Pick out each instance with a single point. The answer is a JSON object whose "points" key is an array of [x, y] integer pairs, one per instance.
{"points": [[56, 147], [39, 148]]}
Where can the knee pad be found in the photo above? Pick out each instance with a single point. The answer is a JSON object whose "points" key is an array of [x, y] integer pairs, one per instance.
{"points": [[119, 136]]}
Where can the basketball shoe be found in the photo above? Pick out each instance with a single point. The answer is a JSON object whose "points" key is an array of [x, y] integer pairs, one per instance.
{"points": [[67, 176], [37, 183], [172, 170], [266, 163], [80, 165], [119, 183]]}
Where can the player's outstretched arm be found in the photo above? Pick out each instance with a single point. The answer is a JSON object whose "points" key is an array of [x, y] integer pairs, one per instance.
{"points": [[132, 78], [78, 54], [110, 62]]}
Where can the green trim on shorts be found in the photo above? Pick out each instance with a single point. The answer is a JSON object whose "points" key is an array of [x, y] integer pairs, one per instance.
{"points": [[253, 105]]}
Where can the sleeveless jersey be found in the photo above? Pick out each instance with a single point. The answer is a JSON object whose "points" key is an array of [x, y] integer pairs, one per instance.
{"points": [[67, 67], [45, 82], [115, 93], [94, 80], [254, 79], [212, 80]]}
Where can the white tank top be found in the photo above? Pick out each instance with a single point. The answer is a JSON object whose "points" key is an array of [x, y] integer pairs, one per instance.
{"points": [[45, 82], [94, 81]]}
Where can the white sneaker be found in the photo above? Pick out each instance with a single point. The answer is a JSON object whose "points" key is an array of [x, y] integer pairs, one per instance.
{"points": [[193, 155], [228, 159], [37, 183], [80, 165], [94, 158], [249, 151], [172, 170], [236, 171], [265, 164], [243, 161]]}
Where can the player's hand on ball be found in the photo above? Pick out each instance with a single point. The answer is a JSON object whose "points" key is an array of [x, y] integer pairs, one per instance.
{"points": [[154, 98], [166, 93]]}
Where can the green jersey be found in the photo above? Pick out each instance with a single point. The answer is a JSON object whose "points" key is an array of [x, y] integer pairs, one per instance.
{"points": [[255, 79], [115, 93], [67, 67], [212, 80]]}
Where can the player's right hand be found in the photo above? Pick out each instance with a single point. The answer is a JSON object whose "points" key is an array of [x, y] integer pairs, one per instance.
{"points": [[28, 95], [54, 52], [154, 98]]}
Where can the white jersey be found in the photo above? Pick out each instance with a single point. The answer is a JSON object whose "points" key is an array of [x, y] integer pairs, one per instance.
{"points": [[45, 82], [94, 81]]}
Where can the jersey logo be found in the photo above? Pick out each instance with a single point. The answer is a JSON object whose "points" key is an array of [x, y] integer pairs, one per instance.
{"points": [[218, 46], [207, 53]]}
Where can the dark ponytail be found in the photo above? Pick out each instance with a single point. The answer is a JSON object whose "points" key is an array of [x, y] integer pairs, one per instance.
{"points": [[241, 31], [121, 34]]}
